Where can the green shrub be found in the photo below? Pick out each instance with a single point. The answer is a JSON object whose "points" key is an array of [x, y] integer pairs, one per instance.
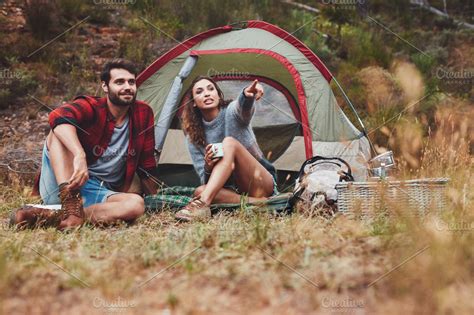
{"points": [[74, 9], [81, 78], [423, 62], [41, 18], [16, 83], [363, 48], [137, 47], [5, 98], [346, 74]]}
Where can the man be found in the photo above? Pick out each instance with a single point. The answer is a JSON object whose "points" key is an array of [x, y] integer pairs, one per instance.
{"points": [[91, 154]]}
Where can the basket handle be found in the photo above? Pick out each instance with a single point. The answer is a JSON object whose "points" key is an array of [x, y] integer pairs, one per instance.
{"points": [[347, 175]]}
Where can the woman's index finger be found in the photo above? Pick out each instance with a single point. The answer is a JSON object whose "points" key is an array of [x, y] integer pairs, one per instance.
{"points": [[254, 84]]}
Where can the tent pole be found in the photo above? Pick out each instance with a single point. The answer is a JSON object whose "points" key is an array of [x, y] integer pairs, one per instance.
{"points": [[170, 108], [364, 130]]}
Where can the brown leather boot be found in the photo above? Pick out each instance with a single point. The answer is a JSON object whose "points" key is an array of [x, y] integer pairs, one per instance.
{"points": [[72, 210], [33, 217]]}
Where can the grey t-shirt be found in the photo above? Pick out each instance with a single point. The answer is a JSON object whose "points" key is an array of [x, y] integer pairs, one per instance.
{"points": [[110, 166]]}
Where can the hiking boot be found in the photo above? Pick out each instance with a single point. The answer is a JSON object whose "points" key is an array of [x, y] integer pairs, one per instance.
{"points": [[196, 209], [32, 217], [72, 210]]}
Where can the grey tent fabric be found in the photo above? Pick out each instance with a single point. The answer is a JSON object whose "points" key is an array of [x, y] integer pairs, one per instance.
{"points": [[169, 108]]}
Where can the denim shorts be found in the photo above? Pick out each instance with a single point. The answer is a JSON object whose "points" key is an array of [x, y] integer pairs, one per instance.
{"points": [[272, 170], [275, 188], [93, 191]]}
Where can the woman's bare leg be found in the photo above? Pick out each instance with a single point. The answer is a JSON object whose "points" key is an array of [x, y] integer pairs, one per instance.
{"points": [[225, 195], [250, 176]]}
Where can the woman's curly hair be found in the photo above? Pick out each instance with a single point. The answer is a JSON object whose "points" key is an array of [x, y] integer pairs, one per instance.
{"points": [[191, 119]]}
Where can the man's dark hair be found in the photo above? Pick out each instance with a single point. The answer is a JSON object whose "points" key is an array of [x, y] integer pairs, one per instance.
{"points": [[116, 64]]}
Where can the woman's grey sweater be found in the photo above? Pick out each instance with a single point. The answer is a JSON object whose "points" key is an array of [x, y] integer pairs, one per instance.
{"points": [[232, 121]]}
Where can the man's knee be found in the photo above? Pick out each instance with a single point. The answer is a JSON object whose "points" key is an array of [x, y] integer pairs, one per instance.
{"points": [[198, 191], [50, 138], [136, 206]]}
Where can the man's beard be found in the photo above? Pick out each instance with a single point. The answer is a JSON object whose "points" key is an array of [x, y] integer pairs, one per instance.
{"points": [[116, 100]]}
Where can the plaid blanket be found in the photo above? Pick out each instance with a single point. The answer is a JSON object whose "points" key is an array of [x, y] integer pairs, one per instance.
{"points": [[171, 197], [177, 197]]}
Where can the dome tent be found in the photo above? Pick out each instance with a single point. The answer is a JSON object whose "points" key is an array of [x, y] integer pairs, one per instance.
{"points": [[296, 119]]}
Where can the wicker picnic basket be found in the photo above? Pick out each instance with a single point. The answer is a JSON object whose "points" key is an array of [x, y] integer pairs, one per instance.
{"points": [[410, 197]]}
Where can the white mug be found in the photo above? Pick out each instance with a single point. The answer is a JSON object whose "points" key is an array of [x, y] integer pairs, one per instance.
{"points": [[217, 150]]}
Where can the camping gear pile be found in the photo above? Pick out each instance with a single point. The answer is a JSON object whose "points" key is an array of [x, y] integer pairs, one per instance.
{"points": [[315, 189]]}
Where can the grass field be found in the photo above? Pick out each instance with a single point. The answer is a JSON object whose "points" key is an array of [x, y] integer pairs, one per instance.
{"points": [[246, 263]]}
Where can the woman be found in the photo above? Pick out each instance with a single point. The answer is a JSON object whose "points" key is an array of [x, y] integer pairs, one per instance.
{"points": [[208, 119]]}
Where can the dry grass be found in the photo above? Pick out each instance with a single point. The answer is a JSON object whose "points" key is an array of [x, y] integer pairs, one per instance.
{"points": [[247, 263]]}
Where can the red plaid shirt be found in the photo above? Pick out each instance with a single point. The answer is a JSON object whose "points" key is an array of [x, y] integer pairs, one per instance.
{"points": [[95, 124]]}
